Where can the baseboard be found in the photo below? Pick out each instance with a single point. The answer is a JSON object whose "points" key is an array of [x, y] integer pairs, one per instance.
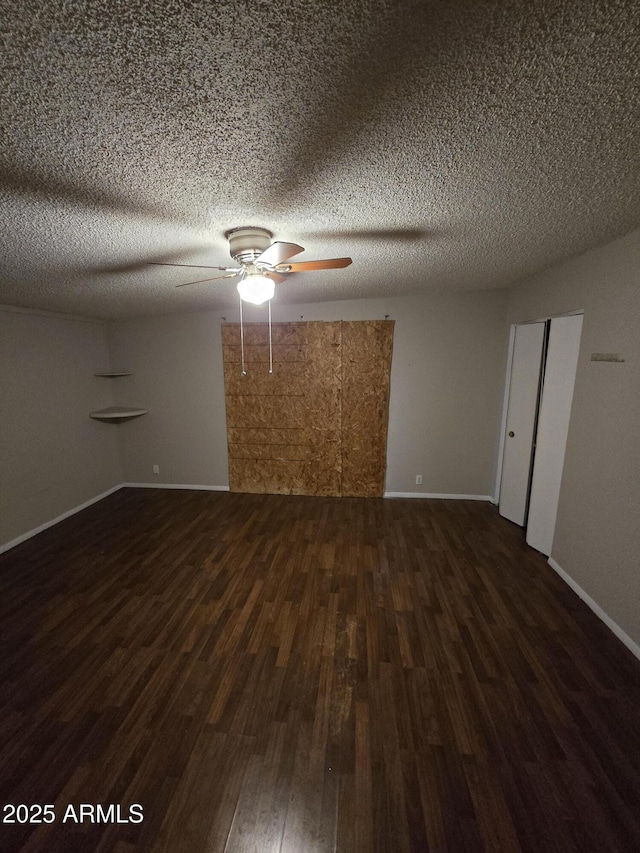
{"points": [[175, 486], [633, 647], [24, 536], [440, 497]]}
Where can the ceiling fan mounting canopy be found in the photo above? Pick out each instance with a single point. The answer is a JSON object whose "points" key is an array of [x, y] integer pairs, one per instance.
{"points": [[247, 244]]}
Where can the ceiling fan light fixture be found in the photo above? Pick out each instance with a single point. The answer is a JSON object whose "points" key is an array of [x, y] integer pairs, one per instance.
{"points": [[256, 288]]}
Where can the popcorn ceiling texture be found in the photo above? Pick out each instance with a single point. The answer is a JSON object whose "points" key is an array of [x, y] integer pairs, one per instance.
{"points": [[441, 144]]}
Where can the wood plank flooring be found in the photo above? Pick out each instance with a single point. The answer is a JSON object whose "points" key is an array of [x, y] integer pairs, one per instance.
{"points": [[276, 674]]}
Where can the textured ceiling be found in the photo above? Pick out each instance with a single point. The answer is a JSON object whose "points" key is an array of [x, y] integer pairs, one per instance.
{"points": [[441, 144]]}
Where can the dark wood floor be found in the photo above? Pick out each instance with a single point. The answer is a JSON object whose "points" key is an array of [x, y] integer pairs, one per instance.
{"points": [[273, 673]]}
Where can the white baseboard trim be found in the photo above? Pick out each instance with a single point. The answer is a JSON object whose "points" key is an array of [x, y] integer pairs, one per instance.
{"points": [[633, 647], [441, 497], [24, 536], [175, 486]]}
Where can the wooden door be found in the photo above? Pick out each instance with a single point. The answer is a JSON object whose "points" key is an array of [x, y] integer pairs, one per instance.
{"points": [[318, 424]]}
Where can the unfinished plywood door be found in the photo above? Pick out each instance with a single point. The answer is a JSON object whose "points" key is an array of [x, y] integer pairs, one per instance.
{"points": [[318, 424], [366, 362], [283, 428]]}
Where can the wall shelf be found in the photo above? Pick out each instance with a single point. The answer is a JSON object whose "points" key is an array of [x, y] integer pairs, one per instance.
{"points": [[117, 413]]}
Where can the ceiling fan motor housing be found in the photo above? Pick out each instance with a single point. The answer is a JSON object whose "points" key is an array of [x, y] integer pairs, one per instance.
{"points": [[246, 244]]}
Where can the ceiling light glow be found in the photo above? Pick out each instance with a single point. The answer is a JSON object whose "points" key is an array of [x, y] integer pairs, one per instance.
{"points": [[256, 288]]}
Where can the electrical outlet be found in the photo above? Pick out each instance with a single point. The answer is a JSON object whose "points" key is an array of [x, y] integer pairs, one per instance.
{"points": [[418, 479], [156, 469]]}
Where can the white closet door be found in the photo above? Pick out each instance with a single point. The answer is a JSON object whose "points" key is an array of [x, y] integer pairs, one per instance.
{"points": [[521, 420], [553, 426]]}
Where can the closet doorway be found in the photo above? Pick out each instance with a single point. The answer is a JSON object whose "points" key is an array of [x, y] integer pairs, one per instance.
{"points": [[544, 359]]}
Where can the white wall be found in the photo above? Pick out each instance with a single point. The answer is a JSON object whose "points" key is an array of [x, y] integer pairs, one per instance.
{"points": [[597, 536], [176, 365], [446, 383], [53, 456]]}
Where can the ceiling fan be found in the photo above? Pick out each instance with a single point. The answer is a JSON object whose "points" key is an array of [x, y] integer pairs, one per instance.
{"points": [[262, 263]]}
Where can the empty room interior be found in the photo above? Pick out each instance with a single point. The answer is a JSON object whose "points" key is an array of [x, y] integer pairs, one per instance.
{"points": [[320, 427]]}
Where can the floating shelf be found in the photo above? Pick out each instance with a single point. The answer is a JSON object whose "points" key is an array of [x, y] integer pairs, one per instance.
{"points": [[117, 413], [113, 373]]}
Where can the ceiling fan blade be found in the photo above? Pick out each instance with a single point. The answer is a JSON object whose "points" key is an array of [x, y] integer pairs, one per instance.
{"points": [[309, 266], [131, 266], [195, 266], [274, 276], [277, 253], [201, 280]]}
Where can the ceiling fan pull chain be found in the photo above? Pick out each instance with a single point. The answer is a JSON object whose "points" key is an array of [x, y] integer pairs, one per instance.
{"points": [[244, 372], [270, 347]]}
